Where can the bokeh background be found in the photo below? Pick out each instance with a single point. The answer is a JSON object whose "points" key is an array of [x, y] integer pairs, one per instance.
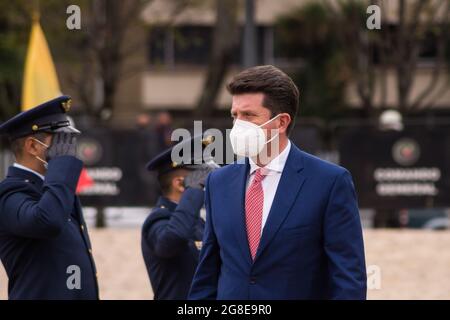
{"points": [[374, 78]]}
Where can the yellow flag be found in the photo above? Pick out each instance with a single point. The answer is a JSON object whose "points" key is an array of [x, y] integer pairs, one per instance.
{"points": [[40, 81]]}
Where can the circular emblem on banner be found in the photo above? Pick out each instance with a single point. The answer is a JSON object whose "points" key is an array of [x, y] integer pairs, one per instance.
{"points": [[406, 152], [89, 151]]}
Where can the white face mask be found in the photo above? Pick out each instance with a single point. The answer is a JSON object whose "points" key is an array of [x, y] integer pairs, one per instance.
{"points": [[248, 139]]}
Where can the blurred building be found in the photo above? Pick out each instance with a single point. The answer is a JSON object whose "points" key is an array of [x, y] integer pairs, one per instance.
{"points": [[175, 52]]}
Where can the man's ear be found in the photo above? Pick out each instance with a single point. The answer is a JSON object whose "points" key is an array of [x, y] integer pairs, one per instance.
{"points": [[31, 146], [285, 120]]}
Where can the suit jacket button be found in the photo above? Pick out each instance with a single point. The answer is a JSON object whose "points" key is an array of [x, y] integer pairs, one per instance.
{"points": [[82, 228], [253, 280]]}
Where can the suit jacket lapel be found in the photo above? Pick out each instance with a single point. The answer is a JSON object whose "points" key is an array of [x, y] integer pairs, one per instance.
{"points": [[291, 181]]}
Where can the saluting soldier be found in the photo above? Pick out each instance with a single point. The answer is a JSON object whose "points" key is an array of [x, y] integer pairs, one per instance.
{"points": [[172, 233], [44, 243]]}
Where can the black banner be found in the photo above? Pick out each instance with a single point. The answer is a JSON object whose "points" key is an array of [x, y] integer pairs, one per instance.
{"points": [[115, 162], [398, 169]]}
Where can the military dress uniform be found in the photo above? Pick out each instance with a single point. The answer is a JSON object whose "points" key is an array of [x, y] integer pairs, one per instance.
{"points": [[171, 237], [43, 236]]}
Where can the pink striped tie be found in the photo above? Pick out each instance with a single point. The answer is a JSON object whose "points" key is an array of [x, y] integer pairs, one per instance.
{"points": [[254, 202]]}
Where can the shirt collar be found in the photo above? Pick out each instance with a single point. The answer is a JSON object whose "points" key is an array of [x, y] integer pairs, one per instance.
{"points": [[274, 166], [29, 170]]}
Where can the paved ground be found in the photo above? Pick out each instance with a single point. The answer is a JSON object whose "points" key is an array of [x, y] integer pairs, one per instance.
{"points": [[401, 264]]}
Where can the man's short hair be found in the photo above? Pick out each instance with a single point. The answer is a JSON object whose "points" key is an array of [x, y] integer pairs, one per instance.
{"points": [[16, 145], [281, 95]]}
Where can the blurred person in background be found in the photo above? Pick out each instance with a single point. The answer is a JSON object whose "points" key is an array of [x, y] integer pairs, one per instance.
{"points": [[163, 129], [44, 241], [148, 148], [146, 135], [172, 233], [144, 121]]}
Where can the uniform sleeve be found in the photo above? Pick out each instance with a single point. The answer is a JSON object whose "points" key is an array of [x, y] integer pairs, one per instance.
{"points": [[199, 229], [204, 284], [167, 237], [23, 215], [343, 241]]}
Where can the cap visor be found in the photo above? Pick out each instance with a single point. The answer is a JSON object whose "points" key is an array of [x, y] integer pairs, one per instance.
{"points": [[68, 129]]}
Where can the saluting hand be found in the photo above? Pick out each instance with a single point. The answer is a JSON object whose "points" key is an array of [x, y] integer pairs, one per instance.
{"points": [[196, 179], [63, 144]]}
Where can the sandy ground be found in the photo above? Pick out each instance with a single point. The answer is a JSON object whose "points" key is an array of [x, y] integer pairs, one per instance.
{"points": [[401, 264]]}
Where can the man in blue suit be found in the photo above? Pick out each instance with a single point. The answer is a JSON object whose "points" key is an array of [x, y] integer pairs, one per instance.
{"points": [[44, 243], [283, 224]]}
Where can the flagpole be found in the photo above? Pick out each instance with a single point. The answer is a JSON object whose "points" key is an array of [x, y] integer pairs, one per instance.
{"points": [[40, 80], [36, 13]]}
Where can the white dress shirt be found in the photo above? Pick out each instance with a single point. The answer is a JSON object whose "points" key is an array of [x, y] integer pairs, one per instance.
{"points": [[29, 170], [273, 171]]}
